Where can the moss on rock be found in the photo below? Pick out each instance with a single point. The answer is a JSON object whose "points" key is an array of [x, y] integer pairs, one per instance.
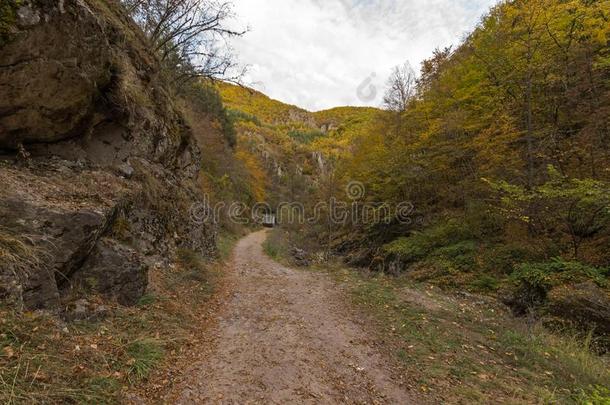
{"points": [[8, 18]]}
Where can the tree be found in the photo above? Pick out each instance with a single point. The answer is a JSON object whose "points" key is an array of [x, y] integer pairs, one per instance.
{"points": [[431, 68], [528, 88], [401, 88], [186, 35], [579, 208]]}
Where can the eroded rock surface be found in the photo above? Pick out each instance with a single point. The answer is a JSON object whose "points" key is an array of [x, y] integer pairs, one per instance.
{"points": [[114, 270], [97, 166]]}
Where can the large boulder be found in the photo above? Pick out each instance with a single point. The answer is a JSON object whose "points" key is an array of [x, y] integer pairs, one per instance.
{"points": [[114, 271], [52, 73], [585, 304], [61, 217]]}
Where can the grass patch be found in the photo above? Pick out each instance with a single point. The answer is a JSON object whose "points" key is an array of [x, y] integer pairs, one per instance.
{"points": [[17, 253], [458, 351], [193, 268], [18, 257], [45, 361], [144, 356], [147, 299], [226, 243], [277, 245], [271, 250]]}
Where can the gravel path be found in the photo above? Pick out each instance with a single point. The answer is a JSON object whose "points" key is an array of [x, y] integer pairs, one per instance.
{"points": [[284, 336]]}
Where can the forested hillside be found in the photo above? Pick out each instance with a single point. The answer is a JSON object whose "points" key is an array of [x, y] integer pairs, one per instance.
{"points": [[291, 151], [502, 151]]}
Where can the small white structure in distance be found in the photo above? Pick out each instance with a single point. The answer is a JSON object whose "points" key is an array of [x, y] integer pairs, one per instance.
{"points": [[269, 221]]}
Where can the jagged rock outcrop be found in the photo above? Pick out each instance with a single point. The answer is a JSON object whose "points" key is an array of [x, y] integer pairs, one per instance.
{"points": [[97, 166]]}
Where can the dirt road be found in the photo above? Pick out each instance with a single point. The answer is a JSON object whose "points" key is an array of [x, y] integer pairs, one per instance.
{"points": [[285, 337]]}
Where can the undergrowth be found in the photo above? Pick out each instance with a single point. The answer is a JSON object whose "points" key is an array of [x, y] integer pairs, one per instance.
{"points": [[451, 255], [276, 245], [463, 352], [43, 360]]}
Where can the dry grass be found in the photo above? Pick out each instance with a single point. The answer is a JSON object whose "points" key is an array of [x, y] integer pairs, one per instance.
{"points": [[19, 254], [45, 360], [20, 257], [466, 351]]}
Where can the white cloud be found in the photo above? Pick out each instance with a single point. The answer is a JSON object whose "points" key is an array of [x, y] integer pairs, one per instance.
{"points": [[317, 53]]}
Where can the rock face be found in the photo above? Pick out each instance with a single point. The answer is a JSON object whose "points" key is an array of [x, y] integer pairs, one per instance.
{"points": [[114, 270], [97, 166], [52, 73]]}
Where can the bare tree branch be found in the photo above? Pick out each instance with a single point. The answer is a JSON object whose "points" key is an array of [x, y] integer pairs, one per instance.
{"points": [[186, 35], [402, 86]]}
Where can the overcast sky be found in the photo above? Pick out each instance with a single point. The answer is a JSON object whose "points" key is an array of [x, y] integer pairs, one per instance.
{"points": [[319, 54]]}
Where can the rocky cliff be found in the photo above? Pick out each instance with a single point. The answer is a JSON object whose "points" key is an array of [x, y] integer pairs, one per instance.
{"points": [[98, 169]]}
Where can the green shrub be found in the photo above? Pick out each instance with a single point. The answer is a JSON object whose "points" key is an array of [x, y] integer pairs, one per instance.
{"points": [[457, 249], [598, 396], [442, 267], [483, 220], [502, 259], [461, 254], [544, 276], [8, 14], [305, 136], [486, 283], [238, 115], [409, 249], [143, 356], [449, 232], [450, 239]]}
